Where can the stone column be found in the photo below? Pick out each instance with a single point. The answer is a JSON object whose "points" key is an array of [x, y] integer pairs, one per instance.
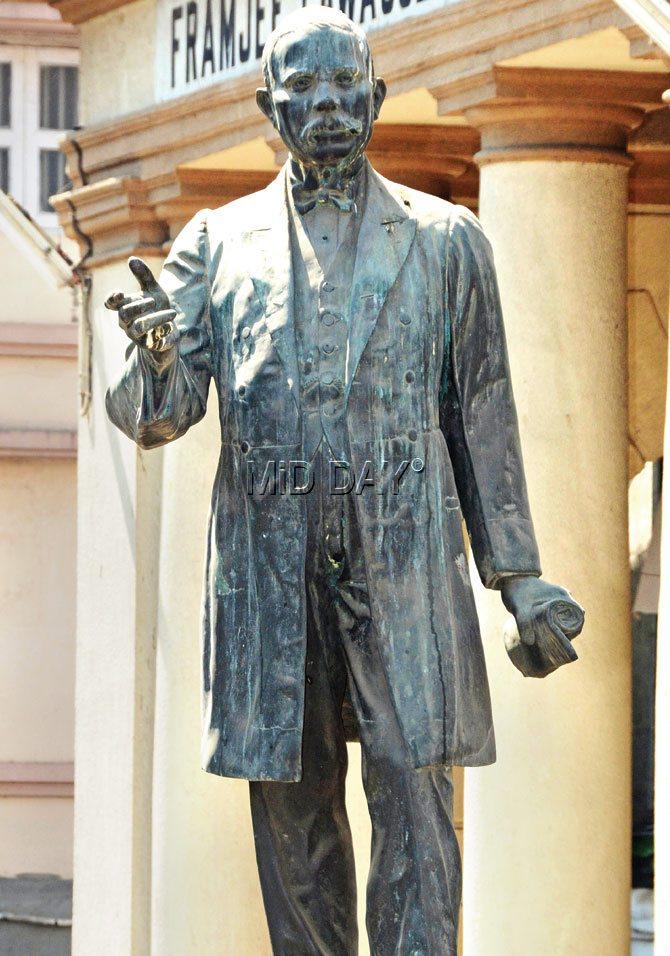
{"points": [[548, 827]]}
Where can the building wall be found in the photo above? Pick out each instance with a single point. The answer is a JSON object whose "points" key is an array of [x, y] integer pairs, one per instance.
{"points": [[38, 409], [37, 633], [129, 32], [37, 622]]}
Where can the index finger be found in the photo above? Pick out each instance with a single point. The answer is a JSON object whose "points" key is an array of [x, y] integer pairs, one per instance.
{"points": [[143, 274]]}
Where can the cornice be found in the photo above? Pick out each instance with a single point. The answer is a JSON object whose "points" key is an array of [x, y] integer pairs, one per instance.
{"points": [[23, 778], [649, 184], [558, 130], [644, 89], [37, 443], [79, 11], [38, 340], [433, 158], [115, 216], [50, 33]]}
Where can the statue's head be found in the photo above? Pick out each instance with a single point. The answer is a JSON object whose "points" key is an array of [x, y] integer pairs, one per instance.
{"points": [[320, 94]]}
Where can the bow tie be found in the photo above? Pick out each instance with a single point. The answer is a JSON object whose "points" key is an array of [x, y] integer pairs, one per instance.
{"points": [[309, 192]]}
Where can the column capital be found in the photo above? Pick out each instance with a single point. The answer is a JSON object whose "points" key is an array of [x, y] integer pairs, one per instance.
{"points": [[530, 129]]}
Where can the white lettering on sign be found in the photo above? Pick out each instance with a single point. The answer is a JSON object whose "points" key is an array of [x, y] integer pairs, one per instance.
{"points": [[202, 42]]}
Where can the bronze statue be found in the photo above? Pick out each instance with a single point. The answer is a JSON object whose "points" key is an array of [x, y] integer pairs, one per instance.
{"points": [[354, 333]]}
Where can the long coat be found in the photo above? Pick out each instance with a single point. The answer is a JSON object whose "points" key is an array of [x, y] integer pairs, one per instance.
{"points": [[427, 382]]}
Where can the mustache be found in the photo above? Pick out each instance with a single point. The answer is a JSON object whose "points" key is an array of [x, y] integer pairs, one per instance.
{"points": [[332, 124]]}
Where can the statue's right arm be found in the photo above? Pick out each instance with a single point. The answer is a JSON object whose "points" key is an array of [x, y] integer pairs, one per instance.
{"points": [[155, 399]]}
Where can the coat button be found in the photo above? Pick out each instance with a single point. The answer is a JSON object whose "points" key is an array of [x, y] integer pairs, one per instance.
{"points": [[327, 379], [405, 319], [409, 377], [307, 367], [412, 434], [242, 390], [328, 348], [329, 318], [244, 447], [246, 332]]}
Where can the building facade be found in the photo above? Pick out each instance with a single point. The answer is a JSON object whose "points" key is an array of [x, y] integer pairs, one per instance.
{"points": [[39, 323], [547, 119]]}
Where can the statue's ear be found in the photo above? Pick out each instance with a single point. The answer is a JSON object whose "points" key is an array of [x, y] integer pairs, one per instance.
{"points": [[379, 94], [264, 101]]}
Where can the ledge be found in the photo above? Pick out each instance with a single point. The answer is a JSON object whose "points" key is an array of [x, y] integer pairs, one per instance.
{"points": [[26, 778], [37, 443], [38, 340]]}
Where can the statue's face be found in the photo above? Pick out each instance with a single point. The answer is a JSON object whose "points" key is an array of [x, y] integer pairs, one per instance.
{"points": [[325, 102]]}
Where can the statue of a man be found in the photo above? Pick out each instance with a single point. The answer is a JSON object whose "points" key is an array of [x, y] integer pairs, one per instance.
{"points": [[354, 333]]}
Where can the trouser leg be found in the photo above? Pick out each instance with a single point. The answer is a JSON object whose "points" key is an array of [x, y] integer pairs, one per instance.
{"points": [[303, 841], [414, 886]]}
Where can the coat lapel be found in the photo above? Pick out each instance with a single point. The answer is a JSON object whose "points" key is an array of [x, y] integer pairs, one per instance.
{"points": [[273, 275], [384, 241]]}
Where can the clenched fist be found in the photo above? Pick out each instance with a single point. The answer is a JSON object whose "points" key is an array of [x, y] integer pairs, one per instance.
{"points": [[547, 620], [146, 316]]}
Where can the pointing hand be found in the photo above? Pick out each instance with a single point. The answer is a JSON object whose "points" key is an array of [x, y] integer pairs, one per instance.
{"points": [[146, 317]]}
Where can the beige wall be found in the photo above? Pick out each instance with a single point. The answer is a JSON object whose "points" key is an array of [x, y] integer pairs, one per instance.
{"points": [[128, 34], [29, 296], [37, 393], [36, 835], [37, 637], [37, 569], [37, 554]]}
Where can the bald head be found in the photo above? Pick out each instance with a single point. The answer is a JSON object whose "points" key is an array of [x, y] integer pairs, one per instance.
{"points": [[300, 22]]}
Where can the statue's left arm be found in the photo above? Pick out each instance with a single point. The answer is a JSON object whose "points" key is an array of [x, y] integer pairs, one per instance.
{"points": [[479, 421]]}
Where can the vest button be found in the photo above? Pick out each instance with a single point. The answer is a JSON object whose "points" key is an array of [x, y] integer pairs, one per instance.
{"points": [[412, 434], [327, 379], [242, 390], [405, 319], [328, 348], [307, 367], [329, 318], [244, 447], [409, 377], [327, 286], [246, 332]]}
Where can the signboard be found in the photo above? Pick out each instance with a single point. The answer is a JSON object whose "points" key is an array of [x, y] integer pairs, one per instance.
{"points": [[202, 42]]}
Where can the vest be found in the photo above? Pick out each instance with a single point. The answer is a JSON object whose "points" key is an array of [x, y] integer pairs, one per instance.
{"points": [[322, 319]]}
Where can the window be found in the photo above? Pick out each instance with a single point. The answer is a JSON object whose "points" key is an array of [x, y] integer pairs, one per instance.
{"points": [[53, 178], [5, 95], [4, 169], [39, 87], [59, 92]]}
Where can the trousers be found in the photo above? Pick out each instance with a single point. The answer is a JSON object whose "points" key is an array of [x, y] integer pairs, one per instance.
{"points": [[301, 831]]}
